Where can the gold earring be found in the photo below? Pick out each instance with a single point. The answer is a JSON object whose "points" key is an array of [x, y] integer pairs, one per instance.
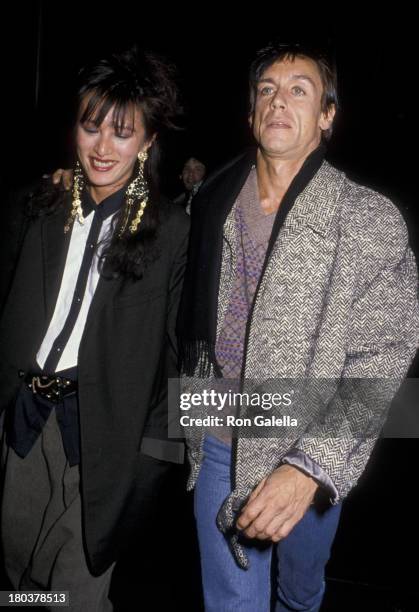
{"points": [[76, 209], [137, 191], [142, 156]]}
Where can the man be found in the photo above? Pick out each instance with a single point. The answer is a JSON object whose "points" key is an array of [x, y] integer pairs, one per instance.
{"points": [[192, 176], [295, 272]]}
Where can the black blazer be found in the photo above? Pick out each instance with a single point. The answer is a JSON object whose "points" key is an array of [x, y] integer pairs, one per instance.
{"points": [[127, 352]]}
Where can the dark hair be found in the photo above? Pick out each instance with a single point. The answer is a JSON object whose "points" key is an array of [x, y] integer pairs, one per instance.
{"points": [[123, 81], [277, 51], [194, 158]]}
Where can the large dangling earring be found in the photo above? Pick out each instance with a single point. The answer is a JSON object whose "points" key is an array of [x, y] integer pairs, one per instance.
{"points": [[137, 191], [76, 209]]}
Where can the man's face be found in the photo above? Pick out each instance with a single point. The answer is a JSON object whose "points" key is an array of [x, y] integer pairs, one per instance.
{"points": [[288, 120], [193, 172]]}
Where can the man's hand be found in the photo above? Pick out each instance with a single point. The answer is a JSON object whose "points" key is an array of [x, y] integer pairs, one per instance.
{"points": [[277, 504], [65, 175]]}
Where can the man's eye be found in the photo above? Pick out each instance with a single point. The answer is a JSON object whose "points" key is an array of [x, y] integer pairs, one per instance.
{"points": [[266, 91], [298, 91]]}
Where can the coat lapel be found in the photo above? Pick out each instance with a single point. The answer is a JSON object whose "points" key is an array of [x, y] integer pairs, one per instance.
{"points": [[229, 193], [55, 246], [314, 208]]}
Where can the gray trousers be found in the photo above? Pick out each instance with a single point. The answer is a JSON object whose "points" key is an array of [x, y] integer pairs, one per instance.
{"points": [[41, 526]]}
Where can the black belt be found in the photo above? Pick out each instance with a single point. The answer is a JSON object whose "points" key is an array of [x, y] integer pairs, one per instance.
{"points": [[53, 388]]}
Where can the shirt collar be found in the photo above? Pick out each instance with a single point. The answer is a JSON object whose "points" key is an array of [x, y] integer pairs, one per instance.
{"points": [[107, 207]]}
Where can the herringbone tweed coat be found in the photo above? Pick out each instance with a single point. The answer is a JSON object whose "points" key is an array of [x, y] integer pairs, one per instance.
{"points": [[338, 300]]}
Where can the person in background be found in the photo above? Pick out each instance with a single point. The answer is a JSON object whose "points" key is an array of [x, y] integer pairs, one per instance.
{"points": [[193, 175]]}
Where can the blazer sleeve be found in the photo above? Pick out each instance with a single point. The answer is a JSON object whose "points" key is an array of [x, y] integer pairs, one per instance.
{"points": [[382, 340], [157, 442]]}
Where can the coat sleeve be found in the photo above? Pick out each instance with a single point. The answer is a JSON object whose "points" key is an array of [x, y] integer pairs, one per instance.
{"points": [[156, 441], [382, 340], [176, 285]]}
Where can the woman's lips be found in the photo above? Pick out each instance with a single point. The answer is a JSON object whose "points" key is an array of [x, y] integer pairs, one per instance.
{"points": [[101, 165]]}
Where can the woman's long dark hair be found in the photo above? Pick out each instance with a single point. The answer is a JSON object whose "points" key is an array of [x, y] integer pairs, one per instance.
{"points": [[122, 82]]}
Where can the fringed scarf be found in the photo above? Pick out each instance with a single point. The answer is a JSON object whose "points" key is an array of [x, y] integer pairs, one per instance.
{"points": [[197, 321]]}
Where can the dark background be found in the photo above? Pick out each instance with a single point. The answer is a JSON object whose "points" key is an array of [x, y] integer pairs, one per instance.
{"points": [[43, 44]]}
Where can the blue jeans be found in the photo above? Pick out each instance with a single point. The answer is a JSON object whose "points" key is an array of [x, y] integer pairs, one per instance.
{"points": [[300, 557]]}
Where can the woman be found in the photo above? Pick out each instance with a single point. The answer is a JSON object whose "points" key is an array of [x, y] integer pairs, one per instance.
{"points": [[87, 343]]}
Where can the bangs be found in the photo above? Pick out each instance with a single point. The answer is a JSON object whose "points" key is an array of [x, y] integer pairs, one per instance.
{"points": [[98, 106], [286, 55]]}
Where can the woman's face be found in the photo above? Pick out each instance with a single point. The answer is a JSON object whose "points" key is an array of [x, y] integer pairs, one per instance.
{"points": [[108, 152]]}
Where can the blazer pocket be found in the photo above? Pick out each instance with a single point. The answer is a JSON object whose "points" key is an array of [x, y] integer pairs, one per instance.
{"points": [[131, 300]]}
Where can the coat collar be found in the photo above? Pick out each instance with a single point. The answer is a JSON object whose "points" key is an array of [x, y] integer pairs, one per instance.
{"points": [[315, 207], [106, 207], [55, 245]]}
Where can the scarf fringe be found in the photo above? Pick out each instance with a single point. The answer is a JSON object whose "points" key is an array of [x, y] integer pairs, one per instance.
{"points": [[197, 359]]}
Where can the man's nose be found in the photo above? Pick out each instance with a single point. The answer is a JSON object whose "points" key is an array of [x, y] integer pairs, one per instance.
{"points": [[278, 100]]}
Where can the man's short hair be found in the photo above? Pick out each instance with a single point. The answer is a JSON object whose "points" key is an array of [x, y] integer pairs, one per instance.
{"points": [[277, 51], [194, 159]]}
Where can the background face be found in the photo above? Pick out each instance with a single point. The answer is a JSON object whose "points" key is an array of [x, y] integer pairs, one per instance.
{"points": [[193, 172]]}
